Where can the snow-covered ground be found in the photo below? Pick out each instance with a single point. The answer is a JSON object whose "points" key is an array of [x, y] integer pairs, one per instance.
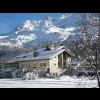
{"points": [[63, 82]]}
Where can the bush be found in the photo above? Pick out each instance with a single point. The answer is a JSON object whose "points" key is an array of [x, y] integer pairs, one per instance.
{"points": [[30, 76], [17, 73], [8, 75]]}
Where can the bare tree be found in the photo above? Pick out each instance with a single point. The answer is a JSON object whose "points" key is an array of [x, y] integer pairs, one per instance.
{"points": [[89, 28]]}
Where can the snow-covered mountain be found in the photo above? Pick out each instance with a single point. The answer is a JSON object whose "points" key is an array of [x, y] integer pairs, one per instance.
{"points": [[37, 31]]}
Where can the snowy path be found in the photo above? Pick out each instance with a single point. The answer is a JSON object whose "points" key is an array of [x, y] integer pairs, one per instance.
{"points": [[64, 82]]}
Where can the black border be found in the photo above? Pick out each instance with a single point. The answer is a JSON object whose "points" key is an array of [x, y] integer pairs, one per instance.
{"points": [[49, 6]]}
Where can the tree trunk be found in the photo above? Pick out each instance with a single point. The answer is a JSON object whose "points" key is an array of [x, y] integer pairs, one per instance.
{"points": [[97, 75], [96, 60]]}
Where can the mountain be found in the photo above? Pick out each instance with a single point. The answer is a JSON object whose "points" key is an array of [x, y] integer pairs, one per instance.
{"points": [[38, 31]]}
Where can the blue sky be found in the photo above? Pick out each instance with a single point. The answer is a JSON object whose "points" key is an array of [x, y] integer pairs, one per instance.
{"points": [[8, 21]]}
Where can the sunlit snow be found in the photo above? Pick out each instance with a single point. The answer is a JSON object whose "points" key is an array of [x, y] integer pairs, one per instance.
{"points": [[61, 82]]}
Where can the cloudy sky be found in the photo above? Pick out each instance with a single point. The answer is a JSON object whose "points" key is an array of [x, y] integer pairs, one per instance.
{"points": [[8, 21]]}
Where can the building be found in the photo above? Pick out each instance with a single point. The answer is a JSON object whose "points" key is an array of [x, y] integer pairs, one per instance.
{"points": [[57, 59]]}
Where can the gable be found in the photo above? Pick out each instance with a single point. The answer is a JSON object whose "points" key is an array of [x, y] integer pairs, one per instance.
{"points": [[64, 51]]}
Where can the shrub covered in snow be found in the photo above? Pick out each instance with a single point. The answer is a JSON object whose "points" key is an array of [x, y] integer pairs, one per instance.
{"points": [[16, 73], [30, 76]]}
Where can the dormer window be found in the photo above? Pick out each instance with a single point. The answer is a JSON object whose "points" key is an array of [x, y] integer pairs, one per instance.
{"points": [[24, 56], [35, 54]]}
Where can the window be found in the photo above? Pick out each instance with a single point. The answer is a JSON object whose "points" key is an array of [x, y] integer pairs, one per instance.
{"points": [[53, 74], [24, 56], [35, 54], [34, 67], [44, 64]]}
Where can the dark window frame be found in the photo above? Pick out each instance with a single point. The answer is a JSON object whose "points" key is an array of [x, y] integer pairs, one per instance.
{"points": [[44, 64]]}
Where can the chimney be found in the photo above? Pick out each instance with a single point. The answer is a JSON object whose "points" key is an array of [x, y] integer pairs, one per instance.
{"points": [[47, 48]]}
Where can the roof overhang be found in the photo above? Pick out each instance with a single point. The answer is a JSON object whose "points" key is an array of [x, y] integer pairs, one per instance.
{"points": [[69, 53]]}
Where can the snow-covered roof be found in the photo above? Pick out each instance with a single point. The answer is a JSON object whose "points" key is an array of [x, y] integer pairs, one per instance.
{"points": [[41, 54]]}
